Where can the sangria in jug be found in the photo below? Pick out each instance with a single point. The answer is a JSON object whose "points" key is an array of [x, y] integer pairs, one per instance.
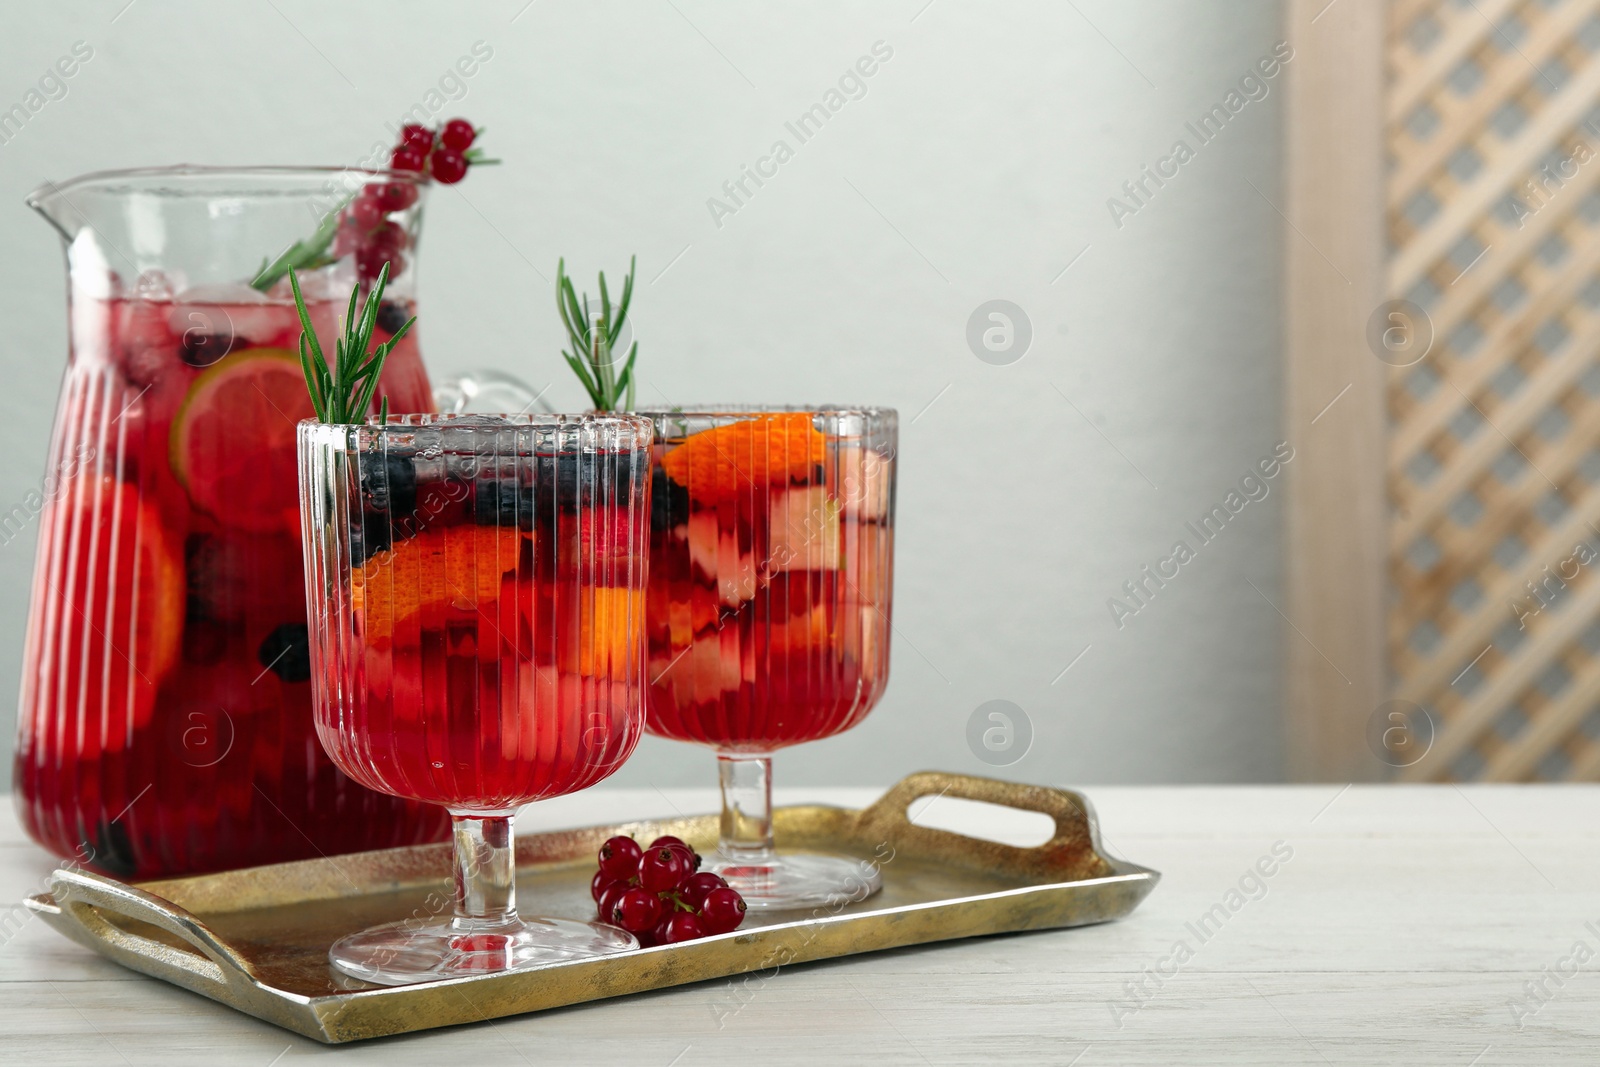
{"points": [[165, 723]]}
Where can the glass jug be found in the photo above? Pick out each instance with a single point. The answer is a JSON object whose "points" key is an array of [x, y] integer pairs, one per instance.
{"points": [[165, 722]]}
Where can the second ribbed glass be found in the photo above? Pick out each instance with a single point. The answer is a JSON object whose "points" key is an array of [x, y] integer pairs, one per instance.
{"points": [[476, 586], [771, 578]]}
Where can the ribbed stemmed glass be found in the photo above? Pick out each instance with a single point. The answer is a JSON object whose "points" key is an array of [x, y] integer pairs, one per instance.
{"points": [[476, 586], [771, 564]]}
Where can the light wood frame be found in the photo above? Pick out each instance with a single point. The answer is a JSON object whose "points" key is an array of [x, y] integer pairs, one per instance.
{"points": [[1335, 415]]}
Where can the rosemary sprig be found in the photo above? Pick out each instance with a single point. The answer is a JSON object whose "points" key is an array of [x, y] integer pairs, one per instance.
{"points": [[343, 395], [592, 337], [307, 254]]}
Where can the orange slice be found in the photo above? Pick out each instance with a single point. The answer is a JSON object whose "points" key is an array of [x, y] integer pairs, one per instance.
{"points": [[233, 440], [457, 565], [746, 457], [612, 632], [119, 605]]}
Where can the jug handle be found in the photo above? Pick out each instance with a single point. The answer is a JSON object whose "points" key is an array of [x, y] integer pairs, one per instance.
{"points": [[488, 391]]}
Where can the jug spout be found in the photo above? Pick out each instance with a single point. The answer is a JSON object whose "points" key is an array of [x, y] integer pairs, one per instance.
{"points": [[56, 209]]}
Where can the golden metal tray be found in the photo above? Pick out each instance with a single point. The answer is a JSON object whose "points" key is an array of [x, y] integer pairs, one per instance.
{"points": [[257, 939]]}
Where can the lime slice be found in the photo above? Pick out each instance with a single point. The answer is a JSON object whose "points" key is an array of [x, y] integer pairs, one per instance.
{"points": [[233, 441]]}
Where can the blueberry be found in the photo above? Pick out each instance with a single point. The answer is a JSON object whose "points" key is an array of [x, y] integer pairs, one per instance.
{"points": [[287, 652], [368, 538], [202, 347], [556, 480], [669, 501], [623, 482], [388, 495], [576, 479], [389, 483], [503, 502], [392, 314]]}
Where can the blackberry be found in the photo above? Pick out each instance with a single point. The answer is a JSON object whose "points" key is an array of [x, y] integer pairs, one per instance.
{"points": [[392, 314], [669, 502], [287, 652]]}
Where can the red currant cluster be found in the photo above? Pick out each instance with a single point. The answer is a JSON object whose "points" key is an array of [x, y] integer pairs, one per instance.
{"points": [[446, 154], [365, 226], [659, 895]]}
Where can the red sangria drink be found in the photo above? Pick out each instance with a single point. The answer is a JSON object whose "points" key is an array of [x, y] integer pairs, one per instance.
{"points": [[477, 590], [771, 563], [166, 717]]}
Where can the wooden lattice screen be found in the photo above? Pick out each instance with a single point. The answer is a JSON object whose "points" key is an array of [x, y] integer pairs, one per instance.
{"points": [[1493, 220]]}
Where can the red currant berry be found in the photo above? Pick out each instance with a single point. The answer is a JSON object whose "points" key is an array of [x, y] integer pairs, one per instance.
{"points": [[696, 886], [607, 904], [619, 857], [662, 869], [690, 855], [418, 137], [389, 236], [636, 910], [365, 212], [682, 927], [449, 167], [601, 880], [722, 911], [457, 135], [392, 196], [407, 157], [370, 260]]}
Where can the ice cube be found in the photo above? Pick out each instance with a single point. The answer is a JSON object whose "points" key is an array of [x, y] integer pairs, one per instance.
{"points": [[864, 483], [805, 530], [704, 671], [222, 293], [149, 347], [219, 316], [715, 551], [153, 286]]}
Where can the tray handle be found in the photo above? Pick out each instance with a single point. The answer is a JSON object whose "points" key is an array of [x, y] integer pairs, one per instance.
{"points": [[1072, 853], [206, 965]]}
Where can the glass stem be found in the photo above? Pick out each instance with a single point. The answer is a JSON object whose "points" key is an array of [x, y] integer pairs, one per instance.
{"points": [[486, 870], [746, 806]]}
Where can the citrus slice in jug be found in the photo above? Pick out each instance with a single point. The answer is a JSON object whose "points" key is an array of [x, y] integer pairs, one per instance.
{"points": [[118, 604], [233, 440]]}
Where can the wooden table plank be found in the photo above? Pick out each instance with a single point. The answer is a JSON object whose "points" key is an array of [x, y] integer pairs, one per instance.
{"points": [[1400, 928]]}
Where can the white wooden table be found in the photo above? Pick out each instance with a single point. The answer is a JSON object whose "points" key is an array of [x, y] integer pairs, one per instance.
{"points": [[1403, 928]]}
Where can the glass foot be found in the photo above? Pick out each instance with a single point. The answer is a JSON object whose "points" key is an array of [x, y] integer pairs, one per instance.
{"points": [[783, 882], [405, 952]]}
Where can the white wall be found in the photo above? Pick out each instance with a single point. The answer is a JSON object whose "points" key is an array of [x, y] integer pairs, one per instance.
{"points": [[977, 166]]}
